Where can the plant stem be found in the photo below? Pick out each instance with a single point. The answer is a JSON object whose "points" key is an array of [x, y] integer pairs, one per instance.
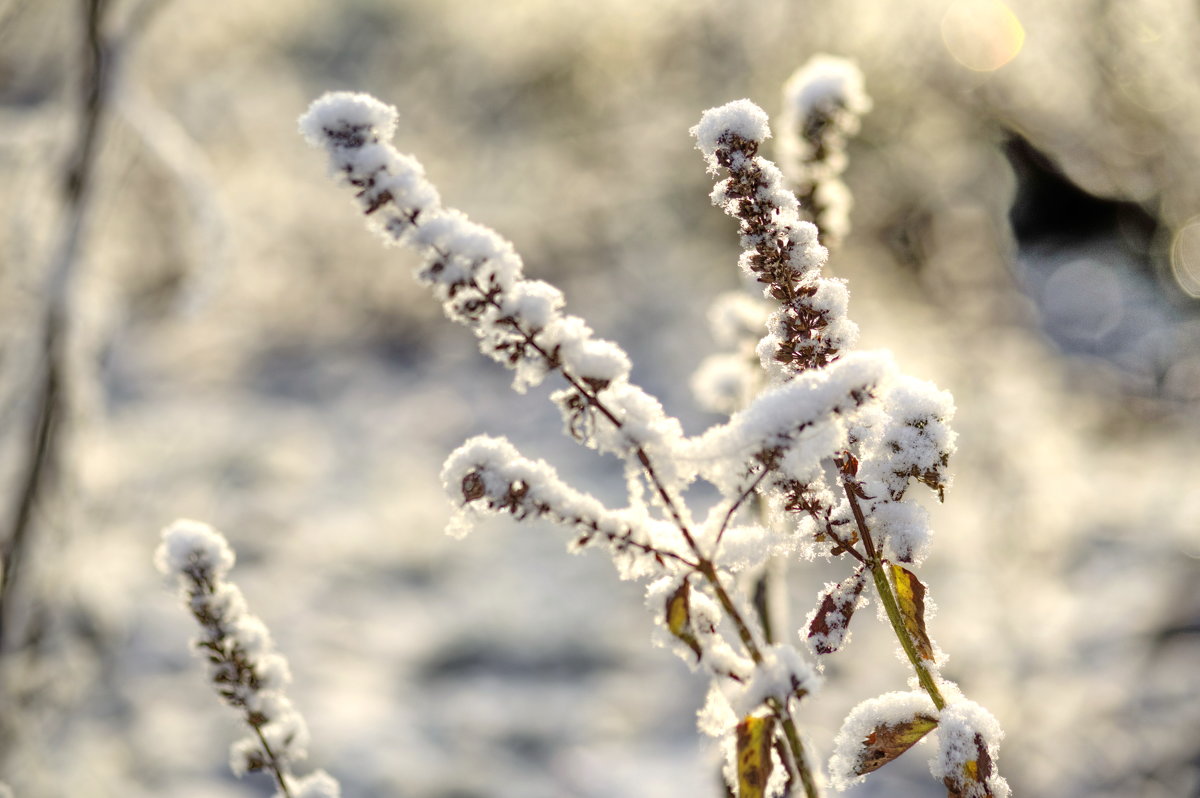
{"points": [[792, 735], [709, 572], [736, 505], [777, 704], [883, 587], [275, 769], [43, 451], [705, 566]]}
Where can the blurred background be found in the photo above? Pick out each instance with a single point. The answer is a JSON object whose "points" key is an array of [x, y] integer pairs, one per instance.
{"points": [[193, 322]]}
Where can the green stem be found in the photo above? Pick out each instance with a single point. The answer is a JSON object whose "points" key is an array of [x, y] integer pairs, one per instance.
{"points": [[778, 705], [792, 735], [762, 603], [883, 587]]}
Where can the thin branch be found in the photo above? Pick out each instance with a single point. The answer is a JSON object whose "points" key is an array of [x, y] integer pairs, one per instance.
{"points": [[273, 760], [733, 508], [593, 400], [845, 548], [52, 388], [645, 548], [796, 746]]}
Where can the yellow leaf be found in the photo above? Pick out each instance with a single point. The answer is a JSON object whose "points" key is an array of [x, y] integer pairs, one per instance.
{"points": [[754, 737], [679, 618], [887, 742], [910, 594]]}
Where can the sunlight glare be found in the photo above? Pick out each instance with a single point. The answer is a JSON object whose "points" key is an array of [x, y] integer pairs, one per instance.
{"points": [[982, 35]]}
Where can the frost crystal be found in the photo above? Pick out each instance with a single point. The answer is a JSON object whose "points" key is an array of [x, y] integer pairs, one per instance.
{"points": [[317, 784], [489, 475], [783, 671], [825, 81], [341, 114]]}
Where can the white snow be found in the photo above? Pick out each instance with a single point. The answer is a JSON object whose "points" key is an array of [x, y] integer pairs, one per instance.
{"points": [[738, 118], [338, 112], [962, 727], [889, 709], [823, 81], [187, 543]]}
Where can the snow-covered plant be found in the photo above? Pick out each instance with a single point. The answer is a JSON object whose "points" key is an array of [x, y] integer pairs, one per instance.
{"points": [[243, 665], [828, 446], [823, 102], [853, 494]]}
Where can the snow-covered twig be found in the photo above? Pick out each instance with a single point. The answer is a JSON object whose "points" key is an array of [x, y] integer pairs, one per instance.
{"points": [[779, 250], [823, 102], [244, 667]]}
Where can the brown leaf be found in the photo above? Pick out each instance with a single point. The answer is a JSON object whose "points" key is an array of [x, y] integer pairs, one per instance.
{"points": [[473, 487], [971, 780], [888, 741], [754, 736], [910, 594], [828, 628]]}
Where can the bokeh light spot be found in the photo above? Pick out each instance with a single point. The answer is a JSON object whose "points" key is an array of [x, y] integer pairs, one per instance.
{"points": [[982, 35], [1083, 301], [1185, 257]]}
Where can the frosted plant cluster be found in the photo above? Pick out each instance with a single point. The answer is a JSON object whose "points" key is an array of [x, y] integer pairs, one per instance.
{"points": [[823, 102], [243, 665], [815, 461]]}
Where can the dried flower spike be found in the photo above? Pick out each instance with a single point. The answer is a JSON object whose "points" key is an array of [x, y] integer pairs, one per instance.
{"points": [[243, 665], [823, 102]]}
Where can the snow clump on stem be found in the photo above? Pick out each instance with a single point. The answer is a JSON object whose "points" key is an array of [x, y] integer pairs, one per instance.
{"points": [[243, 665]]}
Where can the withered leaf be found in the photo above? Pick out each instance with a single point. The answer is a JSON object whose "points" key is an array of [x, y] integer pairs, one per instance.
{"points": [[910, 594], [828, 628], [971, 780], [473, 487], [679, 618], [754, 736], [887, 742]]}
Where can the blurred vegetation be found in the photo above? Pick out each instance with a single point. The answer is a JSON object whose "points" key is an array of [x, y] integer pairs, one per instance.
{"points": [[1027, 191]]}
